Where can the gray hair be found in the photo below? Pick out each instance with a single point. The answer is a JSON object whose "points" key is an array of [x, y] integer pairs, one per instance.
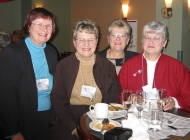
{"points": [[85, 25], [156, 27], [5, 38], [121, 24]]}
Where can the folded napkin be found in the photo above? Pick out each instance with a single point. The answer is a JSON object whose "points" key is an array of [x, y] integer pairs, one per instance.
{"points": [[138, 126]]}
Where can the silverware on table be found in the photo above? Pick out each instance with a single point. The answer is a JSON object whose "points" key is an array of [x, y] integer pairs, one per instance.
{"points": [[176, 128], [104, 122], [172, 127]]}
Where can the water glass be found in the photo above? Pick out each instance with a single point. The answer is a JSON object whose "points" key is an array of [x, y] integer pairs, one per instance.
{"points": [[152, 106], [155, 121], [140, 106]]}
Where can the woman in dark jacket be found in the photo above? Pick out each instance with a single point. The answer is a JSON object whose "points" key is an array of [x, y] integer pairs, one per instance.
{"points": [[81, 70], [26, 77]]}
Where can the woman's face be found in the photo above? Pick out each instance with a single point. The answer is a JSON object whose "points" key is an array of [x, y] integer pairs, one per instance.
{"points": [[153, 43], [85, 44], [40, 31], [118, 39]]}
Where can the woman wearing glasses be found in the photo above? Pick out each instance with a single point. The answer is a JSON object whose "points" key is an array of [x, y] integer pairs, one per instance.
{"points": [[152, 70], [26, 77], [119, 34], [81, 79]]}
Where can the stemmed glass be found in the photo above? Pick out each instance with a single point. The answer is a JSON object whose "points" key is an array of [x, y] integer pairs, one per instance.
{"points": [[162, 93], [140, 101], [127, 100]]}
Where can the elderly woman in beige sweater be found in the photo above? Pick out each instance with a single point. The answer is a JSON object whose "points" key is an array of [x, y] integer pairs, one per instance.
{"points": [[83, 70]]}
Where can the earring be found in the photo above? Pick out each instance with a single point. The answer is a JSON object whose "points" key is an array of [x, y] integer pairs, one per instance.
{"points": [[164, 48]]}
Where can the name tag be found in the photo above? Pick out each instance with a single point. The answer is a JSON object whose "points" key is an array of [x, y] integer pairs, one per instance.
{"points": [[88, 91], [42, 84]]}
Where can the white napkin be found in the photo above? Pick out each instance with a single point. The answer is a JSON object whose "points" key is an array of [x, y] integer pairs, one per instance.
{"points": [[138, 126]]}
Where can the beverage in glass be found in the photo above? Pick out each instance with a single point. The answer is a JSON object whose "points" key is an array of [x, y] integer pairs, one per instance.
{"points": [[140, 101], [127, 99], [162, 98]]}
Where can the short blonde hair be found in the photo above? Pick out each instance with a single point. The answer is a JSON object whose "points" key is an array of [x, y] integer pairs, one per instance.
{"points": [[85, 25], [121, 24]]}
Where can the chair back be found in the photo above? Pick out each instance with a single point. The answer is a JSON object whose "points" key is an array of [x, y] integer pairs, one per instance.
{"points": [[65, 54]]}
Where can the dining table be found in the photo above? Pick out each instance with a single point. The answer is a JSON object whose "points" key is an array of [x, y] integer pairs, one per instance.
{"points": [[85, 133]]}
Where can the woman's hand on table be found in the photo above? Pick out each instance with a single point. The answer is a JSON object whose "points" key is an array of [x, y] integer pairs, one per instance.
{"points": [[170, 104]]}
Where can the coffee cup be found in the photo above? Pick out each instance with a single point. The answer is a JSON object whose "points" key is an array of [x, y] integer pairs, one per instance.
{"points": [[100, 110]]}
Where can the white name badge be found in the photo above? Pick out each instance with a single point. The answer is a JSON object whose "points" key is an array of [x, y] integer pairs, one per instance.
{"points": [[88, 91], [42, 84]]}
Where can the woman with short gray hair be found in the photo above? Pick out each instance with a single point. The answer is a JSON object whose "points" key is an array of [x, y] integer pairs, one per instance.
{"points": [[152, 70], [157, 27], [5, 38]]}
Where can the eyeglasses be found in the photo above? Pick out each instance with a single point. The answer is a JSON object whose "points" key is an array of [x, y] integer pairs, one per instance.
{"points": [[41, 26], [120, 36], [155, 39], [83, 41]]}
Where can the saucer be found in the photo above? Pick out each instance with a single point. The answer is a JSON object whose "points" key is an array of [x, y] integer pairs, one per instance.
{"points": [[91, 114]]}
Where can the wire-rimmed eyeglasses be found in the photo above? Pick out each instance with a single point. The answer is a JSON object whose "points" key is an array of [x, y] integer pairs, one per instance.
{"points": [[83, 41], [155, 39], [41, 26], [120, 36]]}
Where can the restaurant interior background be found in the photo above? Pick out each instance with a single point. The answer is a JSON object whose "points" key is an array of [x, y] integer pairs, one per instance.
{"points": [[103, 12]]}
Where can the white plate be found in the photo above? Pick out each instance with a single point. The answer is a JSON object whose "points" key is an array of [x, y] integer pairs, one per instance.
{"points": [[91, 113], [97, 124], [117, 105]]}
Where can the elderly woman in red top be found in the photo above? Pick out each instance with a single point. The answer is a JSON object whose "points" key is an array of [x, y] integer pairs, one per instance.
{"points": [[153, 70]]}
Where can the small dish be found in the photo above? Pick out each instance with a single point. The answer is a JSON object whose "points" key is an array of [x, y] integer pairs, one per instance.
{"points": [[97, 125], [117, 105]]}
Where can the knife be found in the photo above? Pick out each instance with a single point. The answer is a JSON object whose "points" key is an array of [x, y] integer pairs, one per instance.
{"points": [[172, 127], [183, 127]]}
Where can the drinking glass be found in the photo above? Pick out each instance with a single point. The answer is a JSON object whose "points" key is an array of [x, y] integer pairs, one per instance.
{"points": [[155, 122], [162, 96], [140, 101], [127, 100]]}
